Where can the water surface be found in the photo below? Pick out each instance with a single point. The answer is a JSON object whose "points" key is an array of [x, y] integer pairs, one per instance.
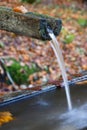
{"points": [[48, 111]]}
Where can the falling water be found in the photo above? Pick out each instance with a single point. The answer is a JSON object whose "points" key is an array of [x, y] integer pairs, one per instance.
{"points": [[58, 53]]}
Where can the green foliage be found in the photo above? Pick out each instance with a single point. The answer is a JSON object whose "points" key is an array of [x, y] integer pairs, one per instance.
{"points": [[69, 38], [1, 45], [19, 73], [28, 1], [31, 1], [82, 22], [81, 51], [46, 68]]}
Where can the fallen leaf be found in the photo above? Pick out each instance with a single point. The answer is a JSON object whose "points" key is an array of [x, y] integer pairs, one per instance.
{"points": [[20, 9]]}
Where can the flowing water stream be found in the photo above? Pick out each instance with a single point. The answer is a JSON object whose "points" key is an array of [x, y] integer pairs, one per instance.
{"points": [[74, 119], [58, 53]]}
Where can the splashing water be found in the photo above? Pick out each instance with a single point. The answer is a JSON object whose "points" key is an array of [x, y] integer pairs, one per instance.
{"points": [[77, 118], [58, 53]]}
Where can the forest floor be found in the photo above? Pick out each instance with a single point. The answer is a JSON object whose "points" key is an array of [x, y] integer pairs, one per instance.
{"points": [[72, 39]]}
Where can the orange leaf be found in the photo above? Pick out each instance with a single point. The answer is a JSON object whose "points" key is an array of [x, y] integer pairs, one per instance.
{"points": [[5, 117], [20, 9]]}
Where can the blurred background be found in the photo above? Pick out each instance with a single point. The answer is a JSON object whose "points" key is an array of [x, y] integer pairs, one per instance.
{"points": [[32, 62]]}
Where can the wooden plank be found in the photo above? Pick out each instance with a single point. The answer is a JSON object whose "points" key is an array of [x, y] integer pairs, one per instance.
{"points": [[28, 24]]}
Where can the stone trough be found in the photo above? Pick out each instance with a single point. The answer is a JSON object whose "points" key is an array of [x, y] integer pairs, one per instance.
{"points": [[45, 110]]}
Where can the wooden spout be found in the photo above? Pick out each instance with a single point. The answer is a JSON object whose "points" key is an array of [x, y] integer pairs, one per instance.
{"points": [[29, 24]]}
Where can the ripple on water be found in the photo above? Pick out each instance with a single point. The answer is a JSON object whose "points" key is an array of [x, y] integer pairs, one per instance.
{"points": [[76, 117]]}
